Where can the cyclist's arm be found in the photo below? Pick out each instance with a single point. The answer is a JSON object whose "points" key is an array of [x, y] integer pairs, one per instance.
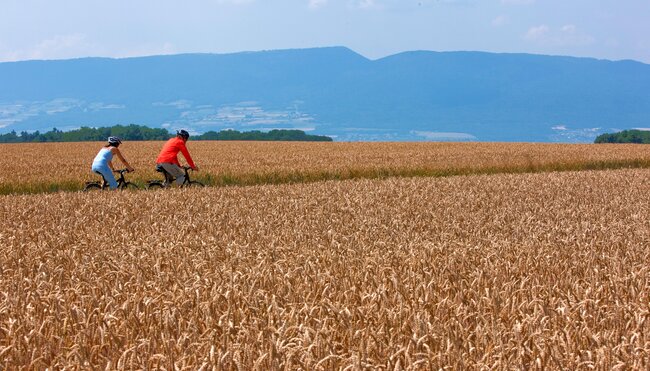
{"points": [[187, 156], [119, 155]]}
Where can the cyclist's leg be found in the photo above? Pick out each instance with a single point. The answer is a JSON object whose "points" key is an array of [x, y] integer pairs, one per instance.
{"points": [[108, 176], [175, 171]]}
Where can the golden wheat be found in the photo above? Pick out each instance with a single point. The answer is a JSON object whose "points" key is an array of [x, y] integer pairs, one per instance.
{"points": [[534, 271], [52, 166]]}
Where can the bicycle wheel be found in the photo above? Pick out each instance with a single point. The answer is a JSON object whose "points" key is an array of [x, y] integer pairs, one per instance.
{"points": [[155, 185], [92, 187], [131, 186], [193, 184]]}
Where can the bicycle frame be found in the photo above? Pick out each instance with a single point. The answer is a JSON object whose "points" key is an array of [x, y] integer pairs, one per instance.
{"points": [[169, 179], [121, 181]]}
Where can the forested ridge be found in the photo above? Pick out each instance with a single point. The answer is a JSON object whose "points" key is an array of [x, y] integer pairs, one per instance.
{"points": [[139, 132], [625, 136]]}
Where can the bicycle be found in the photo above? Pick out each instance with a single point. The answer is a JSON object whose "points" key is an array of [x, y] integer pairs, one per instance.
{"points": [[122, 183], [153, 184]]}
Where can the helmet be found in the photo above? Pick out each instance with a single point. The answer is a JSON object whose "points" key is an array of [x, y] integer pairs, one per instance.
{"points": [[183, 133], [114, 141]]}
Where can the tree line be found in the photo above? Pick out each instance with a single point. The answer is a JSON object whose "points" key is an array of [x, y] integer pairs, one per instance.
{"points": [[139, 132], [625, 136]]}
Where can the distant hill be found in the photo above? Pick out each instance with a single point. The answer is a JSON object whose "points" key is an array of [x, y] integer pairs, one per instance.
{"points": [[625, 136], [337, 92]]}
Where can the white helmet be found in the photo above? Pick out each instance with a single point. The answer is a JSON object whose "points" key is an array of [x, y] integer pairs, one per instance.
{"points": [[116, 141]]}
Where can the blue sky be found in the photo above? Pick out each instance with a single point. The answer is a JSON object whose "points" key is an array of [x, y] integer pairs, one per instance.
{"points": [[46, 29]]}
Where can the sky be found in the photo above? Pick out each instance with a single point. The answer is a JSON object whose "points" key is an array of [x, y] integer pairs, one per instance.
{"points": [[62, 29]]}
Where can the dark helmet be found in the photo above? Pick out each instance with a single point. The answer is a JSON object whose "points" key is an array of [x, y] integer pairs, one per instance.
{"points": [[183, 133], [114, 141]]}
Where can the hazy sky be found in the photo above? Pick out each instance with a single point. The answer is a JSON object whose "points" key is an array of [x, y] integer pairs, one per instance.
{"points": [[49, 29]]}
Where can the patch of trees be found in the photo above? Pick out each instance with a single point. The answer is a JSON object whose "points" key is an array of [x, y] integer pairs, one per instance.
{"points": [[87, 134], [625, 136], [139, 132]]}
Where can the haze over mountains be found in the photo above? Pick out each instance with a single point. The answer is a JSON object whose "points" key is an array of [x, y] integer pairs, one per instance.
{"points": [[335, 91]]}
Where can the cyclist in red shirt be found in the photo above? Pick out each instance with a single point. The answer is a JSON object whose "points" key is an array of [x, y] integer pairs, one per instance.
{"points": [[168, 157]]}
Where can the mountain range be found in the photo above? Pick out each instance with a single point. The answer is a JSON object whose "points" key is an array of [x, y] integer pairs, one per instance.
{"points": [[419, 95]]}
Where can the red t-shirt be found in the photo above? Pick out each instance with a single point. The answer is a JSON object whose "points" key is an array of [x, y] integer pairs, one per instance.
{"points": [[170, 150]]}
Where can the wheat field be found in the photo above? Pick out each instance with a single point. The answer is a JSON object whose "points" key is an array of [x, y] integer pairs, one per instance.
{"points": [[44, 167], [526, 271]]}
